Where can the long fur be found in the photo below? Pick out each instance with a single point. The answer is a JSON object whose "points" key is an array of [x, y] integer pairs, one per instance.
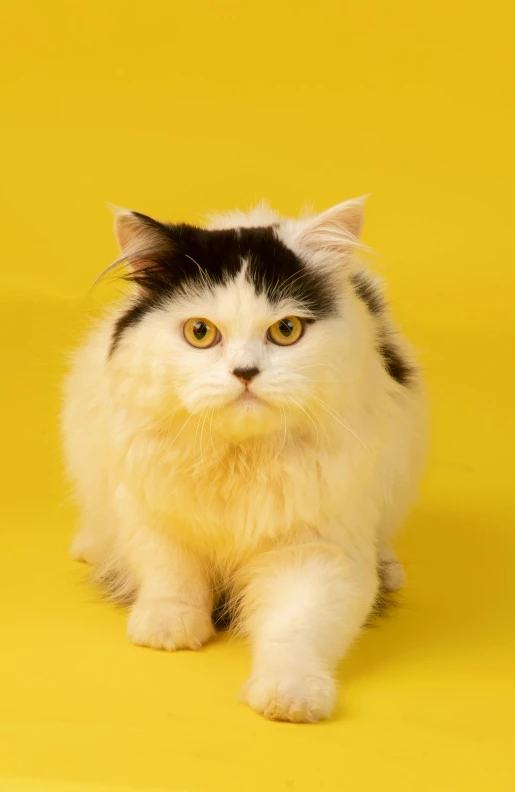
{"points": [[283, 509]]}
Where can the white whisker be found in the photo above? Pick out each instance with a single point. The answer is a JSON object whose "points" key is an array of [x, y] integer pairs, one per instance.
{"points": [[181, 430], [305, 413], [338, 418], [284, 436], [201, 445], [212, 444], [208, 283]]}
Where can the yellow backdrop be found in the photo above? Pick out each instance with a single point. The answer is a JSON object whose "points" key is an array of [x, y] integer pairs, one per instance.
{"points": [[175, 109]]}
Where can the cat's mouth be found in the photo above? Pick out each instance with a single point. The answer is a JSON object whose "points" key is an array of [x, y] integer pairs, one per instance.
{"points": [[248, 397]]}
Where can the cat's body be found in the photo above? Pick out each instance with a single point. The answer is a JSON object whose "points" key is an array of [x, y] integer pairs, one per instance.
{"points": [[270, 471]]}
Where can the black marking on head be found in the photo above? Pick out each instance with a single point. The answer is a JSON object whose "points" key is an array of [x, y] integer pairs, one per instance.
{"points": [[198, 255], [397, 367], [132, 316], [367, 290]]}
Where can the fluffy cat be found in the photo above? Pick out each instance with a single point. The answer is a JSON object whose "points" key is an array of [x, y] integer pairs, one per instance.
{"points": [[248, 422]]}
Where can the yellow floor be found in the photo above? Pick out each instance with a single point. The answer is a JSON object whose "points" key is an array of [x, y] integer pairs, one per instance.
{"points": [[174, 110]]}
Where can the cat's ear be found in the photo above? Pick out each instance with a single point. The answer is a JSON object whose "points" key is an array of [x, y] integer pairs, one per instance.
{"points": [[335, 232], [143, 241]]}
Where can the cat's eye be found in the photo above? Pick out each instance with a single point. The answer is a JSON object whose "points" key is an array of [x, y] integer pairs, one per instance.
{"points": [[286, 331], [201, 333]]}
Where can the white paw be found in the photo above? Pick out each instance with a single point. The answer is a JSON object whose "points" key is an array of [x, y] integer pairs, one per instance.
{"points": [[392, 575], [168, 624], [290, 696]]}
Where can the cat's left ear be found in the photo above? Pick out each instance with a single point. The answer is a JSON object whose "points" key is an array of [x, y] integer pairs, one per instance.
{"points": [[143, 241], [335, 233]]}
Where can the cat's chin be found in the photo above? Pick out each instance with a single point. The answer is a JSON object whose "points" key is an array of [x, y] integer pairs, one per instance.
{"points": [[250, 416], [248, 400]]}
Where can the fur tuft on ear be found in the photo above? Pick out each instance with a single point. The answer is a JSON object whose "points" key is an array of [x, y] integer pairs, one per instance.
{"points": [[335, 231], [143, 241]]}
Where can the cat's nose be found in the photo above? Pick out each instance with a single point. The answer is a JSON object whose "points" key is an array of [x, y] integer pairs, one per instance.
{"points": [[246, 375]]}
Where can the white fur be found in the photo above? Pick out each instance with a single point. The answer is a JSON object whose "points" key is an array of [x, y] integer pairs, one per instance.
{"points": [[288, 505]]}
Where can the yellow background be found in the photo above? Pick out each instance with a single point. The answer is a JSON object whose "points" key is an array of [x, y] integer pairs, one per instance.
{"points": [[176, 109]]}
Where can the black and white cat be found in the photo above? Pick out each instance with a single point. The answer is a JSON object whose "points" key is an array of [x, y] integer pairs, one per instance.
{"points": [[249, 422]]}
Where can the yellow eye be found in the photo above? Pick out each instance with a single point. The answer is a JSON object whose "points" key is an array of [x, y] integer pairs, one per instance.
{"points": [[287, 331], [201, 333]]}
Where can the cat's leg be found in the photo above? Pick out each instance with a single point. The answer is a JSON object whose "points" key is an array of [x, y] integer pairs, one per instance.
{"points": [[84, 548], [390, 569], [92, 544], [173, 605], [402, 467], [174, 599], [302, 607]]}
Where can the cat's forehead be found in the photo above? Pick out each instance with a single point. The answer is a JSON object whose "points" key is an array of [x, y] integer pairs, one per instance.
{"points": [[235, 304], [248, 263]]}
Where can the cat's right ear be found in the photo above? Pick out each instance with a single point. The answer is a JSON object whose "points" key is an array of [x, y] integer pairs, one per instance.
{"points": [[143, 242]]}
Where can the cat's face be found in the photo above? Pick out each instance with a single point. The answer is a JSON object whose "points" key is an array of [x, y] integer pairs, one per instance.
{"points": [[235, 325]]}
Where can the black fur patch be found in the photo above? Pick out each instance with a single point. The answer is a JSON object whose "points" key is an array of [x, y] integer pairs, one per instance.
{"points": [[367, 291], [398, 368], [222, 616], [196, 254], [384, 603], [133, 316]]}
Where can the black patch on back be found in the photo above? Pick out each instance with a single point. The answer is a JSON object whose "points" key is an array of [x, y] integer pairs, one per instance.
{"points": [[398, 368], [367, 291], [197, 253]]}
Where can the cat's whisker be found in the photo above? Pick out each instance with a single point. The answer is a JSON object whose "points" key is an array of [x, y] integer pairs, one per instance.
{"points": [[307, 415], [195, 442], [219, 423], [181, 430], [201, 417], [295, 276], [212, 444], [208, 283], [164, 425], [201, 444], [284, 436], [320, 422], [338, 418], [326, 366], [171, 414], [207, 415]]}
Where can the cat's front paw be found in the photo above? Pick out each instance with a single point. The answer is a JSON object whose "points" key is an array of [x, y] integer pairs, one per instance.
{"points": [[168, 624], [290, 696]]}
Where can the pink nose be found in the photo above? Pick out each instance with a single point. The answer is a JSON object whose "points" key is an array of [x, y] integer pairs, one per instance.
{"points": [[246, 375]]}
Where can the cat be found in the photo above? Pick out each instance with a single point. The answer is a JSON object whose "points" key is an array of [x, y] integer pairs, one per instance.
{"points": [[248, 422]]}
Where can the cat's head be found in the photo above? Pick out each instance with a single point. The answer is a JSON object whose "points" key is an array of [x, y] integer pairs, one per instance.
{"points": [[249, 321]]}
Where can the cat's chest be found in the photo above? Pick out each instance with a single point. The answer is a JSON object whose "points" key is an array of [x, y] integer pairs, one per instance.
{"points": [[239, 497]]}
